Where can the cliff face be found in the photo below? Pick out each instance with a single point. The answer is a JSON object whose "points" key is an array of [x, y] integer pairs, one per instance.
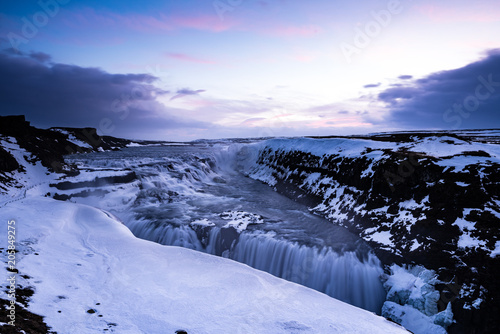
{"points": [[428, 200], [7, 162], [50, 145]]}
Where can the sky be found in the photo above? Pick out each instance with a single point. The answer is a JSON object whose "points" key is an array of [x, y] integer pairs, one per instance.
{"points": [[184, 70]]}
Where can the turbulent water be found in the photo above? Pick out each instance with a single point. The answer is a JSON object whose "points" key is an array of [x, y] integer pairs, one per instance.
{"points": [[194, 196]]}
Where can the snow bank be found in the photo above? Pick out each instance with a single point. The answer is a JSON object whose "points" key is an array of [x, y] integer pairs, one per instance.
{"points": [[91, 274]]}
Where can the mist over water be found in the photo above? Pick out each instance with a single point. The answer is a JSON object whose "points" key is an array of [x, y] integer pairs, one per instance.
{"points": [[195, 196]]}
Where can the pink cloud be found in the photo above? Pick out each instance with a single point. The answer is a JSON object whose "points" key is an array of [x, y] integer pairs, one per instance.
{"points": [[88, 17], [305, 56], [294, 31], [185, 57], [338, 122], [450, 14], [281, 116], [253, 121], [203, 22], [199, 103]]}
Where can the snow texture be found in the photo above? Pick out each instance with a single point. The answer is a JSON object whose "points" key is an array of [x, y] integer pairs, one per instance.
{"points": [[91, 274]]}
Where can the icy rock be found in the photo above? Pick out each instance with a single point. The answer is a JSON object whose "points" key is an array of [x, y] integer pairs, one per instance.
{"points": [[444, 318], [398, 296], [411, 319], [425, 299], [414, 286], [412, 295], [431, 300], [393, 311]]}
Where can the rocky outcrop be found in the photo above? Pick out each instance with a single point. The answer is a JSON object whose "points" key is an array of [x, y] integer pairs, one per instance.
{"points": [[421, 200], [7, 162], [50, 145]]}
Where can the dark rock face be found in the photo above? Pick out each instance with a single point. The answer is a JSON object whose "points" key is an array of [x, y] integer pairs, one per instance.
{"points": [[97, 182], [90, 136], [25, 321], [420, 202], [46, 146], [7, 162], [50, 145]]}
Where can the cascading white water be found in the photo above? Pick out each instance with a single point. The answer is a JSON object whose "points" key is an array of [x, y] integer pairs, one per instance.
{"points": [[182, 236], [342, 276]]}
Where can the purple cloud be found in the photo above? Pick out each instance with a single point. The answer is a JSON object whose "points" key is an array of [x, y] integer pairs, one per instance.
{"points": [[466, 97], [69, 95], [372, 85], [185, 92]]}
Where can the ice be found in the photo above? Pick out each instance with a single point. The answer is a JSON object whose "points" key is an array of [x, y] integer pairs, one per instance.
{"points": [[412, 300], [411, 319]]}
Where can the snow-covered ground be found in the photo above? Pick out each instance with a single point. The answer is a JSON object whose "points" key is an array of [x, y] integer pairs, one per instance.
{"points": [[34, 175], [91, 275]]}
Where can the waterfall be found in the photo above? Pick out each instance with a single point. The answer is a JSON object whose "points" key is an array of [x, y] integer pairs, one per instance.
{"points": [[342, 276], [165, 234]]}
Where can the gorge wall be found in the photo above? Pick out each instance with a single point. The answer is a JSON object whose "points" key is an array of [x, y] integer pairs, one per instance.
{"points": [[421, 199]]}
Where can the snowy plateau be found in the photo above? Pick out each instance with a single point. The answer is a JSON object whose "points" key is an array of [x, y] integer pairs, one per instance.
{"points": [[292, 235]]}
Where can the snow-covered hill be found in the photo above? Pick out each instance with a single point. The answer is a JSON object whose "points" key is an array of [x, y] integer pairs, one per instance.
{"points": [[91, 275]]}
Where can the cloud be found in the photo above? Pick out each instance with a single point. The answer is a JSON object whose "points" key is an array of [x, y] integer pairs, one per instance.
{"points": [[184, 57], [293, 31], [186, 91], [467, 97], [372, 85], [40, 56], [70, 95], [393, 95], [89, 18], [304, 57], [252, 121], [405, 77], [482, 13]]}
